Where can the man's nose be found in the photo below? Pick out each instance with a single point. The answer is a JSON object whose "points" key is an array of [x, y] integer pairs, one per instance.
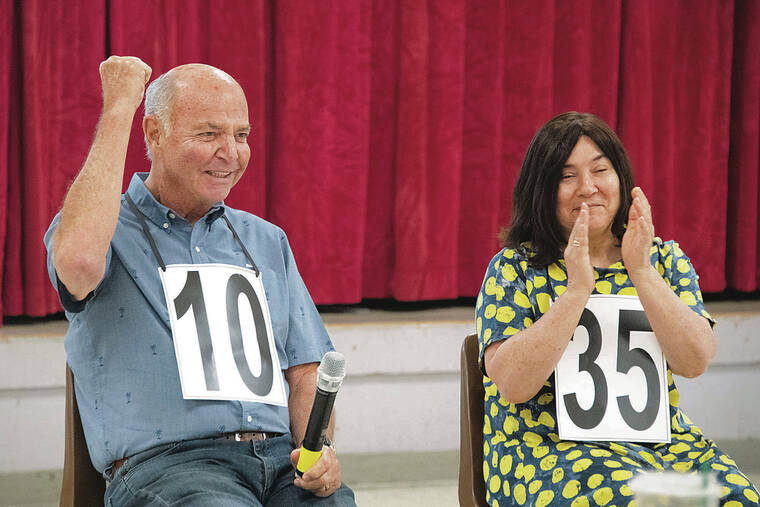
{"points": [[228, 148]]}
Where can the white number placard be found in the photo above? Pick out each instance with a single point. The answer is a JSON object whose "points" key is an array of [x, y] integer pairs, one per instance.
{"points": [[222, 334], [611, 380]]}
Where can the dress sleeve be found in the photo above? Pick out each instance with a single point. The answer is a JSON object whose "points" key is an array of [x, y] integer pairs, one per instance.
{"points": [[503, 307], [675, 267]]}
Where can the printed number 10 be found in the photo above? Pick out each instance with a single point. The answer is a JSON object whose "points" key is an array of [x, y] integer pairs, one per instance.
{"points": [[627, 358], [192, 296]]}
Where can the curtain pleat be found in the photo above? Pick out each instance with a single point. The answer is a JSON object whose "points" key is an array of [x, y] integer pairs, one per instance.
{"points": [[387, 136], [54, 107], [7, 90], [674, 120], [320, 140], [743, 224], [429, 149]]}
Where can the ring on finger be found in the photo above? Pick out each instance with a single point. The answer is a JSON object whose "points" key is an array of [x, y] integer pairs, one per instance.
{"points": [[576, 242]]}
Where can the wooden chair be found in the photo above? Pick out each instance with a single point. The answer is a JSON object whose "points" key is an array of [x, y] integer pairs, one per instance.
{"points": [[82, 485], [472, 490]]}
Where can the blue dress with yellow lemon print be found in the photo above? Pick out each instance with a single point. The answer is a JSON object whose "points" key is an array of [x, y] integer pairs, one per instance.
{"points": [[525, 462]]}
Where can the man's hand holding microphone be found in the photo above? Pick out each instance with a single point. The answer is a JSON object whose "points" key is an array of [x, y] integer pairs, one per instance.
{"points": [[317, 467]]}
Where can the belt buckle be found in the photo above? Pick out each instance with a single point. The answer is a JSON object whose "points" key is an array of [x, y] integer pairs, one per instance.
{"points": [[247, 436]]}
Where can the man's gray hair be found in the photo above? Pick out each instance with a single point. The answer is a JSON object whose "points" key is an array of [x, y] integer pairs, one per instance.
{"points": [[158, 97]]}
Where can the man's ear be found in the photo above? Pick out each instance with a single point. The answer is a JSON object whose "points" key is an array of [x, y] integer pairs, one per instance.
{"points": [[154, 132]]}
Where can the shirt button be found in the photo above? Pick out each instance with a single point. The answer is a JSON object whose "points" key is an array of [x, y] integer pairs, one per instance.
{"points": [[166, 225], [250, 418], [171, 215], [197, 249]]}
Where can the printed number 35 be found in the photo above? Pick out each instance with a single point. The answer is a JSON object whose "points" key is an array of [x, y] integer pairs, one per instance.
{"points": [[627, 358]]}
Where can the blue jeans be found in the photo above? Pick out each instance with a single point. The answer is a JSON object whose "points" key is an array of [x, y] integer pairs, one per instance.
{"points": [[209, 472]]}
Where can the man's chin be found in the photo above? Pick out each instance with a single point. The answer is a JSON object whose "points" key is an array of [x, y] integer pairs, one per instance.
{"points": [[217, 188], [209, 195], [217, 197]]}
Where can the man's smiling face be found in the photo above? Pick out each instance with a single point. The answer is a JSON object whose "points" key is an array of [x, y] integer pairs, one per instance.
{"points": [[205, 151]]}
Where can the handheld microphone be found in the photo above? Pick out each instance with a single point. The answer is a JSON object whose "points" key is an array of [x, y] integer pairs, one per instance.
{"points": [[330, 375]]}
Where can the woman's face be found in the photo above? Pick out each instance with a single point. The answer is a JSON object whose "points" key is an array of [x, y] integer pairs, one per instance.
{"points": [[588, 176]]}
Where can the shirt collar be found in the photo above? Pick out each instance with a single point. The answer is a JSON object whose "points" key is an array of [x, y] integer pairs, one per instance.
{"points": [[157, 212]]}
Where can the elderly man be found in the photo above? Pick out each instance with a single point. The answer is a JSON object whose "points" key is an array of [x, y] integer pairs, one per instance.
{"points": [[198, 407]]}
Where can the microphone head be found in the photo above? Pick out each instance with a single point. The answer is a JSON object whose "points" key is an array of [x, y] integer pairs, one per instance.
{"points": [[331, 371]]}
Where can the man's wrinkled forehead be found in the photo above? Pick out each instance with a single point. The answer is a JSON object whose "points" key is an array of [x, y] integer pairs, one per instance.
{"points": [[198, 86]]}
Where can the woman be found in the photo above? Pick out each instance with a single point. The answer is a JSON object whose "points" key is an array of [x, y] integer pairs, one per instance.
{"points": [[579, 249]]}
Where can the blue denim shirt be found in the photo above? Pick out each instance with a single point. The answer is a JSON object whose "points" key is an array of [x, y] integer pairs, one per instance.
{"points": [[119, 342]]}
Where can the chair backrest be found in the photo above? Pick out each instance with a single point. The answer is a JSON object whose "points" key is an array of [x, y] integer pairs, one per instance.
{"points": [[82, 484], [472, 490]]}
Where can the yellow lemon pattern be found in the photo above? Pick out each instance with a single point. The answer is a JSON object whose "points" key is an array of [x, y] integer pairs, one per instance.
{"points": [[525, 462]]}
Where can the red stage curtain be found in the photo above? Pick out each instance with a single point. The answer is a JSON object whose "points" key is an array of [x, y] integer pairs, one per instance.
{"points": [[6, 57], [388, 135], [53, 106], [674, 118], [743, 231]]}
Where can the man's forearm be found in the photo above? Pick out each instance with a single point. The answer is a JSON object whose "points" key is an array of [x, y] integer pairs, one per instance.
{"points": [[91, 208], [303, 387]]}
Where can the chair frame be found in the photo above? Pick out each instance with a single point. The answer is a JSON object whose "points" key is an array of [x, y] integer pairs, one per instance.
{"points": [[82, 486], [472, 488]]}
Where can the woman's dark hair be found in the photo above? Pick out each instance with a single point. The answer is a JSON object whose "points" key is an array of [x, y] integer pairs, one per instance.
{"points": [[534, 202]]}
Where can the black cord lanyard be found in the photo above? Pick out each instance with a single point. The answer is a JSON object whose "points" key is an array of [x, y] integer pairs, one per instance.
{"points": [[153, 246], [240, 242]]}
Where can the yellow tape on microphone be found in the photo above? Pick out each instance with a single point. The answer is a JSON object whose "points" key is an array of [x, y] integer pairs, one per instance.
{"points": [[307, 459]]}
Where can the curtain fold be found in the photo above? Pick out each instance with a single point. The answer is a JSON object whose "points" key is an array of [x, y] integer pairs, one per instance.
{"points": [[320, 140], [743, 221], [7, 35], [54, 106], [387, 136], [428, 149], [674, 120]]}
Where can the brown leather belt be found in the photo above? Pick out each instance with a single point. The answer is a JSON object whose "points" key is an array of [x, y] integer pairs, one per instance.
{"points": [[238, 436]]}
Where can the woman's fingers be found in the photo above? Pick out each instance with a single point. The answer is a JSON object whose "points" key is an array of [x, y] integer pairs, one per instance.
{"points": [[579, 234], [642, 206], [633, 212], [579, 271], [636, 246]]}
